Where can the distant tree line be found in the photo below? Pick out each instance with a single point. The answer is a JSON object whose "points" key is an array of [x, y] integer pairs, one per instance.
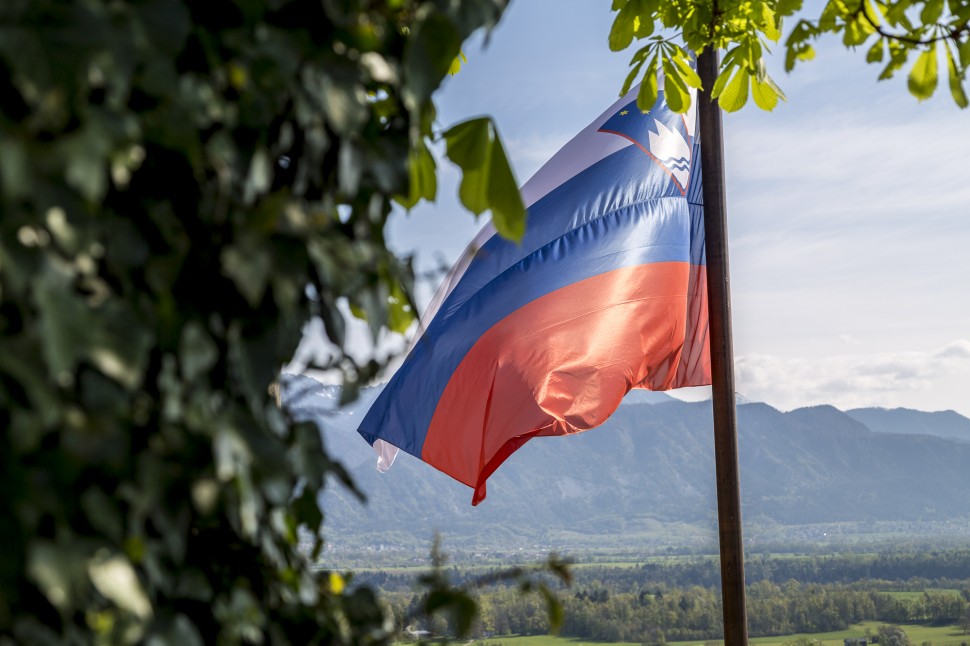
{"points": [[663, 613], [897, 570], [941, 566], [627, 604]]}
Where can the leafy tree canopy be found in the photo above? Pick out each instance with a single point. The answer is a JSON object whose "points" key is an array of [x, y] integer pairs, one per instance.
{"points": [[895, 33], [184, 185]]}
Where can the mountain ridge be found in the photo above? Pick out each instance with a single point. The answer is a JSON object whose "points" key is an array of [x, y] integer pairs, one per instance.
{"points": [[946, 423], [650, 467]]}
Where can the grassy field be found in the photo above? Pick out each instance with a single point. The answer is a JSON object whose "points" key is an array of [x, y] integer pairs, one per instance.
{"points": [[918, 634]]}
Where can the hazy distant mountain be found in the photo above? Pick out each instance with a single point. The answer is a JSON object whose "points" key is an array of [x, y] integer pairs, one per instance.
{"points": [[947, 423], [651, 466]]}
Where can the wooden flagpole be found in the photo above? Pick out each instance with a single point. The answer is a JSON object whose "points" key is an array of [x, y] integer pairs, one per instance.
{"points": [[722, 358]]}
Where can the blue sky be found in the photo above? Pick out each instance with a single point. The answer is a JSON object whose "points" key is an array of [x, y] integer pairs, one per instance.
{"points": [[848, 207]]}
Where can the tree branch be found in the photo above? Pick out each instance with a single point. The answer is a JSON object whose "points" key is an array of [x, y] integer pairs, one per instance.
{"points": [[953, 33]]}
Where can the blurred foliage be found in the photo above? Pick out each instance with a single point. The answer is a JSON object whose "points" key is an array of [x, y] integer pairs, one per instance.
{"points": [[184, 185], [892, 31], [451, 607]]}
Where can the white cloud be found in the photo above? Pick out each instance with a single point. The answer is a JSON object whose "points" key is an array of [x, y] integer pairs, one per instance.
{"points": [[854, 380], [956, 350]]}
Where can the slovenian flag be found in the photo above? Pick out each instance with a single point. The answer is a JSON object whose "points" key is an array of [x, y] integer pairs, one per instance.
{"points": [[606, 292]]}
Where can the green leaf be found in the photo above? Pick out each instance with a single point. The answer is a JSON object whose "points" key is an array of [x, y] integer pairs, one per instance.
{"points": [[903, 20], [86, 161], [631, 77], [797, 46], [400, 311], [473, 190], [373, 303], [868, 13], [64, 325], [260, 176], [468, 143], [732, 57], [307, 509], [553, 608], [179, 631], [800, 33], [768, 23], [752, 52], [690, 76], [15, 170], [460, 607], [931, 12], [248, 265], [621, 33], [642, 25], [115, 578], [58, 570], [670, 13], [898, 54], [956, 82], [896, 13], [722, 78], [102, 513], [505, 201], [647, 96], [735, 94], [788, 7], [875, 53], [456, 63], [343, 100], [350, 165], [487, 179], [20, 362], [764, 94], [857, 31], [774, 87], [120, 345], [431, 49], [422, 175], [675, 90], [834, 10], [924, 76], [197, 351], [167, 24]]}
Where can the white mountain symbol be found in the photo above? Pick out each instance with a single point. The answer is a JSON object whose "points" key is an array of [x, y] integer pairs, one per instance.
{"points": [[671, 149]]}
